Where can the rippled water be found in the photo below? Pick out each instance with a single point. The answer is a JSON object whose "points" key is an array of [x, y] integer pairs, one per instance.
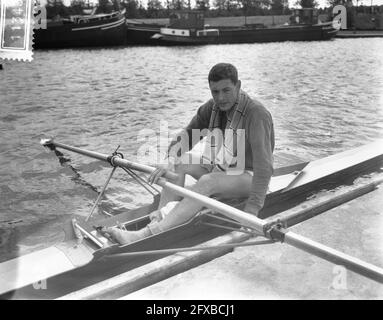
{"points": [[325, 97]]}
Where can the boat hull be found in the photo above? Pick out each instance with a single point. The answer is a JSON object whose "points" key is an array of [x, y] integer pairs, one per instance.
{"points": [[141, 33], [107, 32], [252, 35], [57, 259], [322, 174]]}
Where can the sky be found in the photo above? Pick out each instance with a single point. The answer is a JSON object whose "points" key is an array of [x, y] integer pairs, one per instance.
{"points": [[323, 3]]}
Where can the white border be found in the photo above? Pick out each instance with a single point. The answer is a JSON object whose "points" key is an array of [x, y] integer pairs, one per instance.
{"points": [[24, 53]]}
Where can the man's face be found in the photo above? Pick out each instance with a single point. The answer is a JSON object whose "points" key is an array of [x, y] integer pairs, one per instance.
{"points": [[224, 93]]}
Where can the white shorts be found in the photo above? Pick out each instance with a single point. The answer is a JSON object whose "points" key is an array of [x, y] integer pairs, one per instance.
{"points": [[196, 158], [218, 168]]}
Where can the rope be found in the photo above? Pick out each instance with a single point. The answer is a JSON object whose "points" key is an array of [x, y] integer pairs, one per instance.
{"points": [[141, 181], [177, 250], [107, 213], [206, 213], [223, 219], [134, 175], [228, 228]]}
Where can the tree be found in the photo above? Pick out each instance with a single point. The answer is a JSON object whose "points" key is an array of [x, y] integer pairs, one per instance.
{"points": [[255, 7], [177, 4], [307, 3], [277, 7], [219, 4], [131, 7], [227, 5], [154, 5], [203, 5], [333, 3]]}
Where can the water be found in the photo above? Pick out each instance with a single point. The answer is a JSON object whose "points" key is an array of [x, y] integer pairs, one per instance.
{"points": [[325, 97]]}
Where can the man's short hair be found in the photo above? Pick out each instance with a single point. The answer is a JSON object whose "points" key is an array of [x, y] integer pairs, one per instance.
{"points": [[222, 71]]}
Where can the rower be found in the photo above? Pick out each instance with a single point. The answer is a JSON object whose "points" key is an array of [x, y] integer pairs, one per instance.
{"points": [[237, 160]]}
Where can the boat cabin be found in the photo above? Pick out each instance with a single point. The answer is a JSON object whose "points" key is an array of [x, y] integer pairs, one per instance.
{"points": [[187, 20], [188, 24], [305, 16]]}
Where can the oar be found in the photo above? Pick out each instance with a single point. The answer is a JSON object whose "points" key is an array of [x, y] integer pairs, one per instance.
{"points": [[115, 160], [245, 218], [269, 230], [274, 231]]}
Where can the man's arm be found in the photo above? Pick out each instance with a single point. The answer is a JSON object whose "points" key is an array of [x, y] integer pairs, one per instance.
{"points": [[183, 141], [261, 138]]}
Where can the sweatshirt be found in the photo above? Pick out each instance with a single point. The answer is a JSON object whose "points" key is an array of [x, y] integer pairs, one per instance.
{"points": [[259, 145]]}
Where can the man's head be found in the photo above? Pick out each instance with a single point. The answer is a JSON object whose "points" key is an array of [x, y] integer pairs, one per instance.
{"points": [[224, 85]]}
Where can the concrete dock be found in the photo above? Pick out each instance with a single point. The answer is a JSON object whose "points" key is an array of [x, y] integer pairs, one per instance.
{"points": [[278, 271], [350, 34]]}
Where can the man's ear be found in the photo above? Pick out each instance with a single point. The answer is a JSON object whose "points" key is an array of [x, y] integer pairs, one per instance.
{"points": [[238, 85]]}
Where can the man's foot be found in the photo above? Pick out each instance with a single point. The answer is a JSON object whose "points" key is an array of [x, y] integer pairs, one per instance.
{"points": [[126, 237]]}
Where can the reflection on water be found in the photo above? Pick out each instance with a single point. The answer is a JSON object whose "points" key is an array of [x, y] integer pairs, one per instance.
{"points": [[325, 97]]}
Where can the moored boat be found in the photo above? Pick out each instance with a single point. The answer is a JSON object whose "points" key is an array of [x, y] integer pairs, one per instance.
{"points": [[188, 28], [141, 33], [102, 29], [78, 261]]}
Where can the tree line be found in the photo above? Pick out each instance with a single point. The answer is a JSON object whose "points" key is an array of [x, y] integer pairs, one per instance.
{"points": [[162, 9], [212, 8]]}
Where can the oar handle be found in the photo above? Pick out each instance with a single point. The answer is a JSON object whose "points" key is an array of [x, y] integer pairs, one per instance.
{"points": [[118, 161]]}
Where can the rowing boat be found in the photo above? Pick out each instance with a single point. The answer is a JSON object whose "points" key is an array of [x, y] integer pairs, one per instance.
{"points": [[82, 259]]}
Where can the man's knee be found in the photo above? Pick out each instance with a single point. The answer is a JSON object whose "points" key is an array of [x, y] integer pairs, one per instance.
{"points": [[207, 184], [196, 171], [181, 169], [225, 186]]}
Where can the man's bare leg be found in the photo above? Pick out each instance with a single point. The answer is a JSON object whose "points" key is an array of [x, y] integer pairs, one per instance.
{"points": [[194, 170], [216, 183]]}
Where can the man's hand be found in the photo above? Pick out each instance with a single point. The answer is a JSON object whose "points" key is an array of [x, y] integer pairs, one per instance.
{"points": [[252, 209], [158, 173]]}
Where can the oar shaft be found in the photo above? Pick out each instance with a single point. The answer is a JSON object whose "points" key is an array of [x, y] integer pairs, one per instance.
{"points": [[91, 154], [117, 160], [354, 264]]}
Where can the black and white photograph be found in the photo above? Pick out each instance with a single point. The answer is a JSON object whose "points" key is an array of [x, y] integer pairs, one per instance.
{"points": [[191, 154]]}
